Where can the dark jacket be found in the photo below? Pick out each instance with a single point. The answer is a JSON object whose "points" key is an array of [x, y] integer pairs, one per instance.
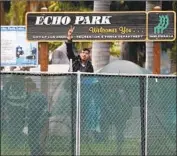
{"points": [[76, 60]]}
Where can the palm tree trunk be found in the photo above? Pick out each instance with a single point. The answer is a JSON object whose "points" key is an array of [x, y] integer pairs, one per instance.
{"points": [[149, 45], [32, 6], [2, 13], [100, 50]]}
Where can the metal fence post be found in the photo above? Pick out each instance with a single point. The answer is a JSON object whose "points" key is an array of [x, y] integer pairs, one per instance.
{"points": [[73, 114], [146, 112], [78, 115], [142, 111], [73, 109]]}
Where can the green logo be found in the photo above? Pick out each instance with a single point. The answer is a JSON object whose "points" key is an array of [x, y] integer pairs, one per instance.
{"points": [[162, 25]]}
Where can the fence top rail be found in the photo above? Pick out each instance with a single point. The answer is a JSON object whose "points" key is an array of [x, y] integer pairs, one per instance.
{"points": [[129, 75], [37, 73]]}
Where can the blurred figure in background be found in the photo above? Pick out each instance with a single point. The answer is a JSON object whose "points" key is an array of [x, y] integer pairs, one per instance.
{"points": [[37, 115], [13, 106]]}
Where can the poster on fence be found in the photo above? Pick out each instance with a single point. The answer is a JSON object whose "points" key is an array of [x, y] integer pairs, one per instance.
{"points": [[15, 49]]}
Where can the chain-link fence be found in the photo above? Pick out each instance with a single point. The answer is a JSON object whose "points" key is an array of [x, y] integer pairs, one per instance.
{"points": [[87, 114], [161, 116]]}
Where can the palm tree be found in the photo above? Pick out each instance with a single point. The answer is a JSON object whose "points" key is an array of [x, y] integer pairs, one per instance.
{"points": [[149, 45], [100, 50], [32, 6], [2, 13]]}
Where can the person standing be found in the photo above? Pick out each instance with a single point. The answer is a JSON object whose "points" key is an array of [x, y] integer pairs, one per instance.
{"points": [[89, 108], [81, 62], [37, 117]]}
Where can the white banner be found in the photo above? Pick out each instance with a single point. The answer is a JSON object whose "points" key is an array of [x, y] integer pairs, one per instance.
{"points": [[15, 49]]}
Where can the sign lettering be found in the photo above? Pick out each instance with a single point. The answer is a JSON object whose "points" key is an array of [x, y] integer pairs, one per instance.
{"points": [[102, 26]]}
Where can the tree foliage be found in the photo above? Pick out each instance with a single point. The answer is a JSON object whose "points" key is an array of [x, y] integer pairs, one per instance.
{"points": [[16, 15], [54, 45], [64, 6], [56, 6], [115, 49]]}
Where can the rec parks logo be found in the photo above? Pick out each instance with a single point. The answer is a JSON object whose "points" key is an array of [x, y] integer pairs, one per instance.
{"points": [[162, 25]]}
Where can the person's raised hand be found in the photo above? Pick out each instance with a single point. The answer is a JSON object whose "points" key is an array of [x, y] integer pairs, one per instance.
{"points": [[70, 32]]}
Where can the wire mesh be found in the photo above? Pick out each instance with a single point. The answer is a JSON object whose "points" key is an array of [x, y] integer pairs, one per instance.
{"points": [[161, 123], [110, 115], [38, 114]]}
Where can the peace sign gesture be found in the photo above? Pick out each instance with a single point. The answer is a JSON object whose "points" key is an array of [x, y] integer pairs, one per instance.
{"points": [[70, 32]]}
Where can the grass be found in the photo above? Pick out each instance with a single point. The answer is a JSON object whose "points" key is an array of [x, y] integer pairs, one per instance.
{"points": [[129, 147], [60, 146]]}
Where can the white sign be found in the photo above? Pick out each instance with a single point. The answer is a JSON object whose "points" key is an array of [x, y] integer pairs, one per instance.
{"points": [[65, 20], [15, 49]]}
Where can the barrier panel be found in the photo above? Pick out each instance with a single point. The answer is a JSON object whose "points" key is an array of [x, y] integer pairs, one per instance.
{"points": [[87, 114]]}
